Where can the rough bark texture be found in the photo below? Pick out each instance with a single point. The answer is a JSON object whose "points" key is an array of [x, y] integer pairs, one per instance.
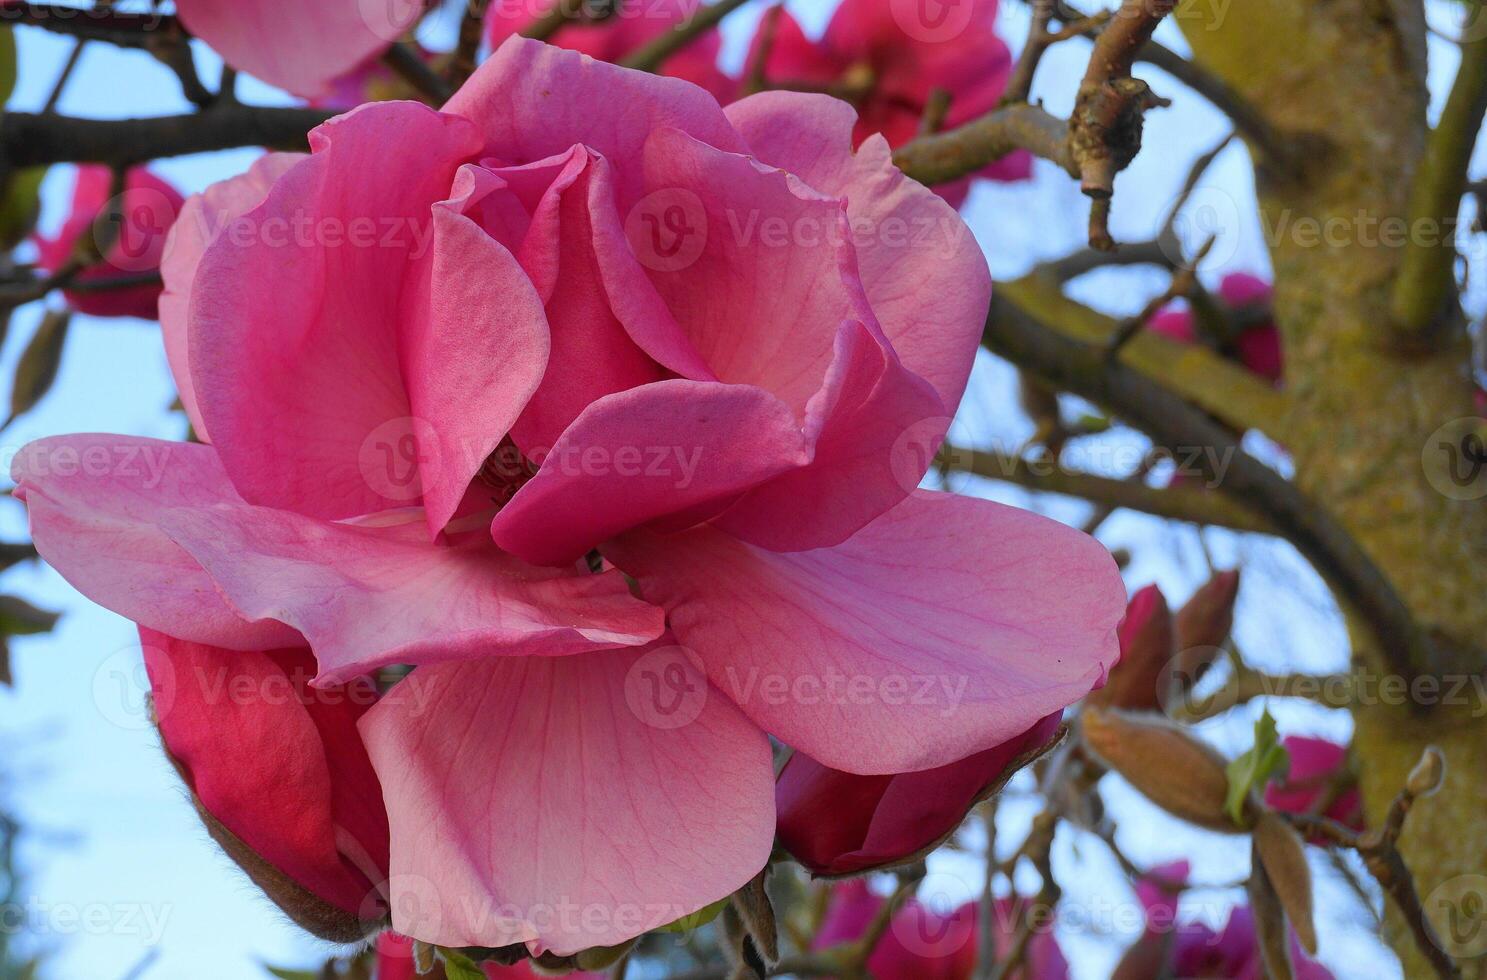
{"points": [[1347, 76]]}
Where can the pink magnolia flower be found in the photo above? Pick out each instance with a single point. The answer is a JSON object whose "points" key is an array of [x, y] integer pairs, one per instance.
{"points": [[1308, 786], [299, 47], [838, 823], [923, 944], [1192, 950], [136, 229], [278, 774], [1257, 346], [888, 56], [632, 25], [735, 422]]}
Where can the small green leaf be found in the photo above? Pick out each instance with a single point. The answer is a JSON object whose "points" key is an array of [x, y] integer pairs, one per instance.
{"points": [[7, 64], [286, 974], [19, 618], [40, 361], [1252, 770], [697, 919], [20, 204], [458, 966]]}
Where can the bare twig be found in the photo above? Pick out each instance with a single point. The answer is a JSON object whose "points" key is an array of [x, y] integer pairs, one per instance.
{"points": [[1020, 337], [1380, 853], [755, 76], [405, 62], [472, 25], [1195, 506], [29, 140], [63, 77], [962, 151]]}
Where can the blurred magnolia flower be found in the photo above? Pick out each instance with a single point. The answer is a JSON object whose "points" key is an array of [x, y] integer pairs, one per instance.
{"points": [[628, 27], [299, 47], [1192, 950], [921, 943], [1257, 344], [723, 536], [129, 231], [1318, 782], [888, 58]]}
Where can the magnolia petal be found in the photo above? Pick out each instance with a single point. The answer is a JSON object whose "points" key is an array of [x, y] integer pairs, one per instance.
{"points": [[294, 332], [645, 453], [925, 276], [300, 47], [945, 627], [583, 818], [205, 218], [95, 502]]}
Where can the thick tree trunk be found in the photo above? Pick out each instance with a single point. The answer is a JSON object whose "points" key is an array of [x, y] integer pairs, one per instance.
{"points": [[1347, 76]]}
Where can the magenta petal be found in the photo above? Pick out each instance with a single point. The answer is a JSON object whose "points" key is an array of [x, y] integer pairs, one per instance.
{"points": [[643, 454], [204, 218], [475, 347], [533, 100], [585, 815], [924, 273], [365, 596], [294, 332], [945, 627], [756, 268], [837, 823], [592, 355], [95, 503], [300, 47], [278, 764], [876, 428]]}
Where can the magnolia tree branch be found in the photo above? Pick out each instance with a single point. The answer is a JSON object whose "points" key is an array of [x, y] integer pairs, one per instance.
{"points": [[124, 30], [961, 151], [30, 140], [1179, 503], [1424, 300], [1022, 338]]}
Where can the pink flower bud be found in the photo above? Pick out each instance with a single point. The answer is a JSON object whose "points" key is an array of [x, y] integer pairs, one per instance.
{"points": [[838, 823], [1147, 645], [279, 776]]}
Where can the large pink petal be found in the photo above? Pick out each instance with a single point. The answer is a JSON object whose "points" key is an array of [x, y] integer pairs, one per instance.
{"points": [[475, 346], [294, 326], [562, 802], [533, 100], [375, 594], [95, 503], [646, 453], [924, 273], [205, 218], [300, 47], [757, 269], [943, 628]]}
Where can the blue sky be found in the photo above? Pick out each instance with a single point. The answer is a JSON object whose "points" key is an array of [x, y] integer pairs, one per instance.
{"points": [[120, 867]]}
